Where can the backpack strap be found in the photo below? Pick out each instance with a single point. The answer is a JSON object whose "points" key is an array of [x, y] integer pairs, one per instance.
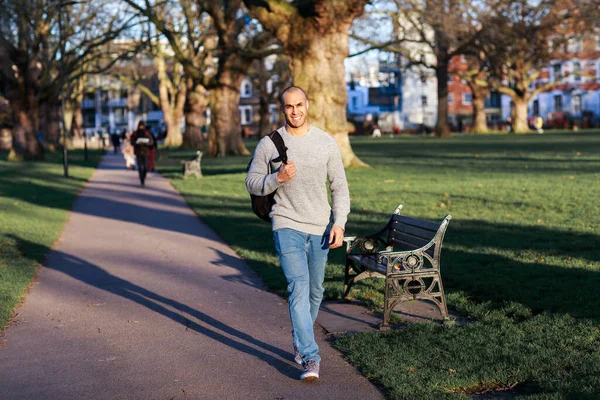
{"points": [[281, 149]]}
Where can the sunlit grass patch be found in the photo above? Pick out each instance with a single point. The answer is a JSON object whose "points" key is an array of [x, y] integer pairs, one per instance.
{"points": [[35, 201], [521, 258]]}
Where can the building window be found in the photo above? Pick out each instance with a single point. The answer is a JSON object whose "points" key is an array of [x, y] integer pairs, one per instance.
{"points": [[557, 70], [558, 103], [467, 99], [273, 113], [246, 89], [536, 107], [493, 100], [577, 71], [89, 120], [577, 105], [424, 100], [450, 99], [119, 115], [574, 45], [245, 115], [354, 103], [450, 78]]}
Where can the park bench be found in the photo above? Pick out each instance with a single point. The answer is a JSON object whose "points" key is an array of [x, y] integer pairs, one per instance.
{"points": [[192, 167], [406, 253]]}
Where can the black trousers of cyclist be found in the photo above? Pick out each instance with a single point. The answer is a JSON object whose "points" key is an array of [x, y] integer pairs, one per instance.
{"points": [[142, 164]]}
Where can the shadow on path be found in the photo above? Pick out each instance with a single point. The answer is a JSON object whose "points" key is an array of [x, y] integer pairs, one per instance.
{"points": [[203, 324]]}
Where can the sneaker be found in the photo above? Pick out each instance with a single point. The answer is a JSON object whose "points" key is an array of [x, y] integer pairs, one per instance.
{"points": [[297, 356], [311, 371]]}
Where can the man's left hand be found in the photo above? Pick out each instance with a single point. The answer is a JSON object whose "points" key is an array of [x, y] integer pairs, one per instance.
{"points": [[336, 237]]}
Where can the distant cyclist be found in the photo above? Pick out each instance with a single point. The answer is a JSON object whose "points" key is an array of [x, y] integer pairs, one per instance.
{"points": [[142, 141]]}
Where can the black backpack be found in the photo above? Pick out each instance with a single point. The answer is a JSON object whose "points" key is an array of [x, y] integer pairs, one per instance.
{"points": [[261, 205]]}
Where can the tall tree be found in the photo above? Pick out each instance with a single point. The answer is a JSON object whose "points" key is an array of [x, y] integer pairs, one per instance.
{"points": [[429, 33], [314, 36], [520, 38], [172, 88], [475, 72], [33, 68], [196, 103], [270, 82], [235, 40], [240, 41]]}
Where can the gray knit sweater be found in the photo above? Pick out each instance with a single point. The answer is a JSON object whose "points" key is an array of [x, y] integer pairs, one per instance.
{"points": [[302, 202]]}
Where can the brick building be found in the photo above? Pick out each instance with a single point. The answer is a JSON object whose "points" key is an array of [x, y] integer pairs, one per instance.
{"points": [[576, 97]]}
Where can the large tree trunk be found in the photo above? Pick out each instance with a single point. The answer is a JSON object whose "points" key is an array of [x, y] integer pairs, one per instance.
{"points": [[519, 115], [173, 121], [49, 123], [26, 120], [319, 70], [171, 103], [196, 103], [442, 127], [264, 123], [78, 122], [479, 117], [77, 126], [224, 134]]}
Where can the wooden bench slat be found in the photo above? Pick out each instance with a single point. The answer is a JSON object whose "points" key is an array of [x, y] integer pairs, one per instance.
{"points": [[412, 230], [419, 223], [417, 242]]}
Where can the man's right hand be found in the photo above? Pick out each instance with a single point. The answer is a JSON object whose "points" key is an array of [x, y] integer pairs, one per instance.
{"points": [[286, 172]]}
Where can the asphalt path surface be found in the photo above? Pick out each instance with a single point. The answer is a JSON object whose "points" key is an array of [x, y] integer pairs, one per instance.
{"points": [[139, 299]]}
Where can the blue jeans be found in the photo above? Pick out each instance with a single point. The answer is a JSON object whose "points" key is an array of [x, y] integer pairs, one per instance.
{"points": [[303, 257]]}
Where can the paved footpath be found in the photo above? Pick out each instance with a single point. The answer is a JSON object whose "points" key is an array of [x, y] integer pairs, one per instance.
{"points": [[140, 300]]}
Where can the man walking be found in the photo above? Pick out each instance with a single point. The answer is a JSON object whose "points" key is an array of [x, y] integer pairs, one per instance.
{"points": [[305, 225], [142, 141]]}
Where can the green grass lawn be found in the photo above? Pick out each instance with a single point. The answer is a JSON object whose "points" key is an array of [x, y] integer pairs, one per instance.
{"points": [[521, 258], [35, 201]]}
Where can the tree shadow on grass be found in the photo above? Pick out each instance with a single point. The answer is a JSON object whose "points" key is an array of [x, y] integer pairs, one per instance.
{"points": [[197, 321], [486, 154], [540, 287]]}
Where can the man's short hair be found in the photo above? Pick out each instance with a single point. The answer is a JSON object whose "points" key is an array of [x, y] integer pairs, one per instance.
{"points": [[290, 88]]}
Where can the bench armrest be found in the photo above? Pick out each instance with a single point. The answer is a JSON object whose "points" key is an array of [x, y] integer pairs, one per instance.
{"points": [[405, 260], [364, 244]]}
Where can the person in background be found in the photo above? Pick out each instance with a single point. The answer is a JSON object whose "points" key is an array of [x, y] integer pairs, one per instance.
{"points": [[539, 124], [151, 151], [142, 141], [116, 141], [128, 151]]}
